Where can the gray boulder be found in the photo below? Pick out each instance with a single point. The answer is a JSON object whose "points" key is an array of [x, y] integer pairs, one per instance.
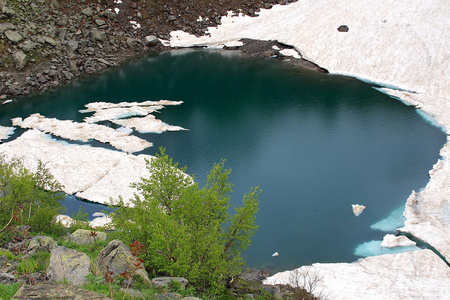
{"points": [[47, 291], [68, 264], [13, 36], [41, 243], [151, 41], [6, 26], [98, 35], [118, 257], [83, 237], [50, 40], [169, 296], [87, 12], [28, 46], [8, 12], [163, 282], [20, 59], [72, 46]]}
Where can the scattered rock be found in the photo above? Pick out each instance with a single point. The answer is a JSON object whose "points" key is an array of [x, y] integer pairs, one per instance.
{"points": [[68, 264], [6, 26], [163, 282], [83, 237], [20, 59], [343, 28], [48, 291], [118, 257], [151, 40], [13, 36], [41, 243], [169, 296]]}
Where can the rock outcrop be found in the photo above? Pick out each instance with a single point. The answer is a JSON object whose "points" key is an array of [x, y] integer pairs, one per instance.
{"points": [[117, 258], [68, 265], [55, 291]]}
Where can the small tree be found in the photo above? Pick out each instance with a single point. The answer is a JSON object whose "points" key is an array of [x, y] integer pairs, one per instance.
{"points": [[186, 230], [27, 198]]}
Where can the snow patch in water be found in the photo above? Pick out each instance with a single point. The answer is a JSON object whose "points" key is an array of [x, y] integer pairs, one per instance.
{"points": [[374, 248], [393, 221], [6, 132]]}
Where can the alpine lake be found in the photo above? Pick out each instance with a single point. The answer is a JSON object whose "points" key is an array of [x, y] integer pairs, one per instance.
{"points": [[314, 143]]}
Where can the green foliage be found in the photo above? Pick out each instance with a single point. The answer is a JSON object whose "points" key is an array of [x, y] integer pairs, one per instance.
{"points": [[188, 231], [8, 254], [27, 198], [7, 291], [80, 220]]}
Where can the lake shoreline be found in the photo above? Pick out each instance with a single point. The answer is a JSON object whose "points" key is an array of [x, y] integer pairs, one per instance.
{"points": [[377, 46], [426, 211]]}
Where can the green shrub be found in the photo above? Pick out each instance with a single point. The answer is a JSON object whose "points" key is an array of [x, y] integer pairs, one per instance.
{"points": [[27, 198], [188, 231], [7, 291]]}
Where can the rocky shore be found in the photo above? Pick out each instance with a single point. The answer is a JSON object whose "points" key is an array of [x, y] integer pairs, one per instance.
{"points": [[44, 44]]}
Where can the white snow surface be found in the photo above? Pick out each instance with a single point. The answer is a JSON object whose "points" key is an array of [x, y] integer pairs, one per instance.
{"points": [[147, 124], [405, 46], [83, 132], [92, 173], [6, 132], [411, 275]]}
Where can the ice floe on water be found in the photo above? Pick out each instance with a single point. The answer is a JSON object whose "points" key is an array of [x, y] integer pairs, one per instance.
{"points": [[83, 132], [374, 248], [358, 209], [147, 124], [6, 132], [393, 221]]}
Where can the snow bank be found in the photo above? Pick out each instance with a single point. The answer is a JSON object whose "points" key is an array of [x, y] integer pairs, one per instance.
{"points": [[412, 275], [6, 132], [91, 173]]}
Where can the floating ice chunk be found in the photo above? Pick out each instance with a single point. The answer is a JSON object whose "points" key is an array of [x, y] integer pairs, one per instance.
{"points": [[125, 129], [275, 254], [374, 248], [7, 101], [290, 52], [84, 131], [392, 222], [391, 241], [357, 209], [114, 113], [6, 132], [95, 106], [98, 214], [147, 124], [17, 121]]}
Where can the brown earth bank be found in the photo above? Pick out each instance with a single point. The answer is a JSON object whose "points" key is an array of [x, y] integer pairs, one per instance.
{"points": [[44, 44]]}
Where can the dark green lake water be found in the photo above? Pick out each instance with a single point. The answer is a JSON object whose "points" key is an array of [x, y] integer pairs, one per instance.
{"points": [[314, 143]]}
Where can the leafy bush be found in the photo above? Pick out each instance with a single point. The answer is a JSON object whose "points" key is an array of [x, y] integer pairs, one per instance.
{"points": [[188, 231], [7, 291], [27, 198]]}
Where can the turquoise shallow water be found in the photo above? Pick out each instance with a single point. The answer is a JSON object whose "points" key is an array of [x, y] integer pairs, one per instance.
{"points": [[314, 143]]}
